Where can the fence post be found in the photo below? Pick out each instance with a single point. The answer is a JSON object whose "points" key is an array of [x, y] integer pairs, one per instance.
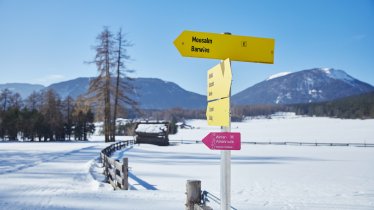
{"points": [[106, 172], [193, 192], [102, 159], [125, 173]]}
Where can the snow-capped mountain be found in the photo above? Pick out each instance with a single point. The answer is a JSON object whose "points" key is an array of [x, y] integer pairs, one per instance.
{"points": [[313, 85], [281, 74]]}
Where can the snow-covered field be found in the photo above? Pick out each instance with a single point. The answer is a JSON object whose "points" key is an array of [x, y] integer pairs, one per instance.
{"points": [[264, 177], [291, 128], [67, 175]]}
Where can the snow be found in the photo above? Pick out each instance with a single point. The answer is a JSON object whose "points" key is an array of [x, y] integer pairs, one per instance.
{"points": [[281, 74], [279, 98], [277, 115], [295, 128], [326, 70], [338, 74], [151, 128], [58, 175], [282, 96], [62, 176], [270, 177], [314, 93]]}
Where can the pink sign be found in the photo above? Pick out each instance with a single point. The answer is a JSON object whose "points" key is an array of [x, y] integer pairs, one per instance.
{"points": [[222, 141]]}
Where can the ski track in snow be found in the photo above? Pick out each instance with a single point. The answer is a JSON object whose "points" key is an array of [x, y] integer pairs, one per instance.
{"points": [[46, 179], [44, 159]]}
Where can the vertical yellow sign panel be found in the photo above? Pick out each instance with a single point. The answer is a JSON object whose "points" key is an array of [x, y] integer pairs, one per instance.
{"points": [[219, 81], [218, 112]]}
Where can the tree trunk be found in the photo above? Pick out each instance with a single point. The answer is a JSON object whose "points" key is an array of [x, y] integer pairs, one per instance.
{"points": [[116, 94], [107, 93]]}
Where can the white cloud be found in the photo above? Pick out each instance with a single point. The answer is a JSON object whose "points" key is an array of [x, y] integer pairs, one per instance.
{"points": [[49, 79]]}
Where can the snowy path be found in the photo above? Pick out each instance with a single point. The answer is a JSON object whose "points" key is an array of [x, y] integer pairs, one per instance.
{"points": [[26, 160], [58, 176], [40, 181]]}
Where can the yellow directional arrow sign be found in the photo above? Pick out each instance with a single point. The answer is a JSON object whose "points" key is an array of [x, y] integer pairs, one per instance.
{"points": [[222, 46], [218, 112], [219, 81]]}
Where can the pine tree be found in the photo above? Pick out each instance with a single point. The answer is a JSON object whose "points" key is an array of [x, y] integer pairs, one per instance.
{"points": [[51, 110], [5, 99], [68, 105], [34, 101], [82, 119]]}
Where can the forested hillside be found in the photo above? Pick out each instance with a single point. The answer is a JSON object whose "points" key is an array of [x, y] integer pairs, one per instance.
{"points": [[360, 106], [352, 107]]}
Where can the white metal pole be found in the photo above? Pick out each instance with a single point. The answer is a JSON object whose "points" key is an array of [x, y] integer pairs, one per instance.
{"points": [[226, 168], [225, 176]]}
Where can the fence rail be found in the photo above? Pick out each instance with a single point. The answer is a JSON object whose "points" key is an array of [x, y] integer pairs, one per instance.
{"points": [[311, 143], [295, 143], [115, 171]]}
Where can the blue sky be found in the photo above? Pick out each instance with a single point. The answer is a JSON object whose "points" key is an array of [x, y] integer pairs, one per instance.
{"points": [[48, 41]]}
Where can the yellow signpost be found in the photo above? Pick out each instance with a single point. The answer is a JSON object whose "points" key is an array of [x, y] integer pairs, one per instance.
{"points": [[218, 112], [222, 46], [225, 47], [219, 81]]}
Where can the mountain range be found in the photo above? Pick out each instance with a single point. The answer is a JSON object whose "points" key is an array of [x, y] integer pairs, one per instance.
{"points": [[307, 86], [23, 89], [151, 93]]}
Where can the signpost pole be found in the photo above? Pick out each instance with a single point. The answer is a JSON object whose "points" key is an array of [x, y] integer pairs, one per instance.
{"points": [[229, 47], [225, 176], [226, 165]]}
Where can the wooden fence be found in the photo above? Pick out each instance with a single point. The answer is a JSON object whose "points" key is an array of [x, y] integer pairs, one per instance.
{"points": [[313, 144], [115, 171], [364, 144]]}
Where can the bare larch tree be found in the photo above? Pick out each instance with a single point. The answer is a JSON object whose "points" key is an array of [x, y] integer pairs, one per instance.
{"points": [[99, 89], [122, 88], [111, 90]]}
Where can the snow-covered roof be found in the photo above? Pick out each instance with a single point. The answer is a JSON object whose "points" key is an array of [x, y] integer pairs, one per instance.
{"points": [[151, 128]]}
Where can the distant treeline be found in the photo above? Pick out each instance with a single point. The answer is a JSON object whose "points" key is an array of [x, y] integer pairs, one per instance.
{"points": [[175, 114], [353, 107], [43, 116]]}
